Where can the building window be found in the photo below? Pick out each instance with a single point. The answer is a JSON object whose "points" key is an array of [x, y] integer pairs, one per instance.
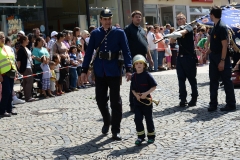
{"points": [[197, 12]]}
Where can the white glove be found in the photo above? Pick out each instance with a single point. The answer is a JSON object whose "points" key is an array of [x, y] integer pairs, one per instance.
{"points": [[173, 35]]}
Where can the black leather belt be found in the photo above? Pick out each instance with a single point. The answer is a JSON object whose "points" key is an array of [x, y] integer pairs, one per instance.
{"points": [[108, 55]]}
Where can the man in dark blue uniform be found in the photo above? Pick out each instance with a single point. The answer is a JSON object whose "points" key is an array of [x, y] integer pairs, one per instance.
{"points": [[186, 61], [220, 65], [107, 70]]}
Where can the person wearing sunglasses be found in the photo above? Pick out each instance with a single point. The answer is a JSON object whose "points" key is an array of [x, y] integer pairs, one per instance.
{"points": [[186, 61]]}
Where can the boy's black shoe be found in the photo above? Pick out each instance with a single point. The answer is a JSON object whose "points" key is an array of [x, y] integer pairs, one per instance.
{"points": [[228, 108], [183, 103], [105, 129], [193, 102], [139, 141], [116, 136], [212, 108]]}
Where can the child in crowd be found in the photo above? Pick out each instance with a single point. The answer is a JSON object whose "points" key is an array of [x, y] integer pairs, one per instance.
{"points": [[168, 54], [142, 85], [56, 58], [53, 76], [73, 69], [46, 77], [79, 67]]}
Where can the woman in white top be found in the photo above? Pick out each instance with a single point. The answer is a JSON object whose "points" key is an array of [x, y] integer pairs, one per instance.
{"points": [[24, 61]]}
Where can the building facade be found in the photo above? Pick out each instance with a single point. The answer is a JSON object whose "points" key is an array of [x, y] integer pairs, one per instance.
{"points": [[67, 14]]}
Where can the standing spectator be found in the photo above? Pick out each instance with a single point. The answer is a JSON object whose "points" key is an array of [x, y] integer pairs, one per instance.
{"points": [[36, 32], [137, 42], [14, 97], [60, 48], [8, 71], [83, 42], [80, 84], [31, 40], [220, 64], [38, 52], [167, 29], [168, 54], [52, 42], [46, 77], [47, 39], [67, 38], [56, 59], [152, 46], [53, 76], [73, 69], [160, 47], [76, 36], [24, 61], [17, 44]]}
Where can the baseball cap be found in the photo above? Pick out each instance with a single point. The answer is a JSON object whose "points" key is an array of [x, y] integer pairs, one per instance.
{"points": [[54, 33], [21, 32]]}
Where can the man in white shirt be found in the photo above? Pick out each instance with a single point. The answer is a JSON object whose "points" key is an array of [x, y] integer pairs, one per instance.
{"points": [[52, 42], [152, 46]]}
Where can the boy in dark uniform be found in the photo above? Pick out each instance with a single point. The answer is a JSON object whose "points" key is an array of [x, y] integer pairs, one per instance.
{"points": [[142, 85]]}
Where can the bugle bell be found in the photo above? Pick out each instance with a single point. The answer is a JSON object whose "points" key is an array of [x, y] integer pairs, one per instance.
{"points": [[150, 101]]}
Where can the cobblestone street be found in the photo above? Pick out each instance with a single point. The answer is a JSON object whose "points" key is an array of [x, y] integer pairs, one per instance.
{"points": [[72, 129]]}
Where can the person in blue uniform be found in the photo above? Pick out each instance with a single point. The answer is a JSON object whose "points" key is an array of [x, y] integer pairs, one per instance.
{"points": [[186, 61], [220, 64], [107, 70], [142, 85]]}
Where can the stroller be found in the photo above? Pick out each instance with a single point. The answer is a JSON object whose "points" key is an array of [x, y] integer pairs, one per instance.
{"points": [[20, 93]]}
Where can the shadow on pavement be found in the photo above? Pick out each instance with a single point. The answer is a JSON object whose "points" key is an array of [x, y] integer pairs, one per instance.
{"points": [[122, 153], [169, 111], [90, 147], [201, 114], [203, 84]]}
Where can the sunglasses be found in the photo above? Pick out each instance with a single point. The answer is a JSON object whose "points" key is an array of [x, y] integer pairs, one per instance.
{"points": [[178, 19]]}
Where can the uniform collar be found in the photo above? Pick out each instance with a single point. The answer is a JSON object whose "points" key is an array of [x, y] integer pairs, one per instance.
{"points": [[106, 30]]}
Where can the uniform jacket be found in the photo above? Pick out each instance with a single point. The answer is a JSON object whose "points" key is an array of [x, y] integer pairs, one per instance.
{"points": [[115, 41]]}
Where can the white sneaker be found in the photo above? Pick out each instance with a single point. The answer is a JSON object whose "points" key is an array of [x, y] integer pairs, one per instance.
{"points": [[18, 101]]}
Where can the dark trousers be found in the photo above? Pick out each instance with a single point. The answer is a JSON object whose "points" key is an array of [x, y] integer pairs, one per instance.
{"points": [[186, 69], [131, 99], [215, 74], [27, 84], [145, 111], [6, 101], [102, 85], [131, 96]]}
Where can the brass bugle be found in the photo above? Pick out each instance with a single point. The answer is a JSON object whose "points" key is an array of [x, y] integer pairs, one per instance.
{"points": [[150, 101]]}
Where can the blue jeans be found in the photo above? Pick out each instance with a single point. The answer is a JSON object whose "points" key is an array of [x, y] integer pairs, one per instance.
{"points": [[74, 76], [6, 101], [154, 54], [161, 55]]}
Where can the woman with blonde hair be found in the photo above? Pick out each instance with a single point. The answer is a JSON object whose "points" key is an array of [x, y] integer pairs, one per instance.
{"points": [[84, 35]]}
